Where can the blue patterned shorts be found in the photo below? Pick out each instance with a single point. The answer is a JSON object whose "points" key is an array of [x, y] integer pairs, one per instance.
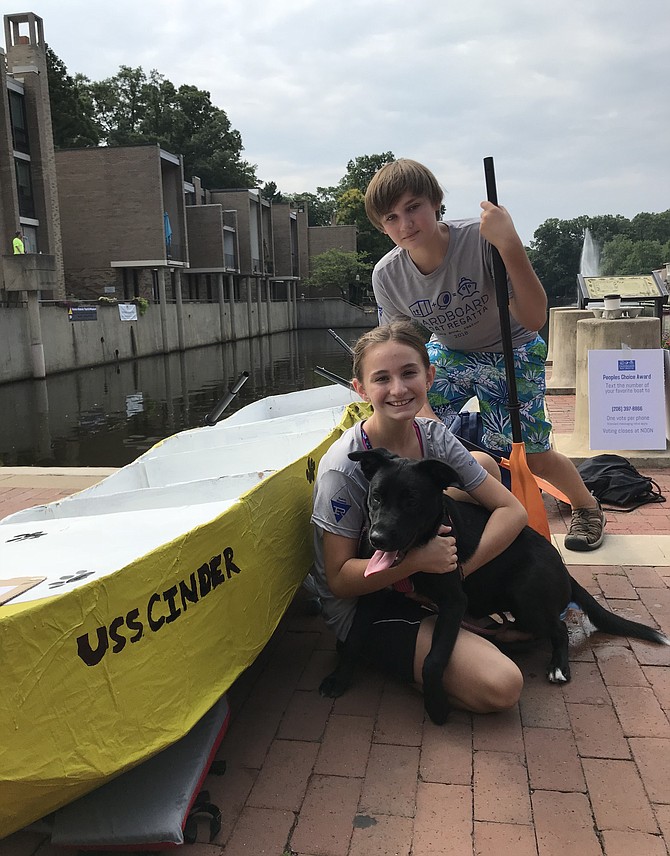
{"points": [[460, 375]]}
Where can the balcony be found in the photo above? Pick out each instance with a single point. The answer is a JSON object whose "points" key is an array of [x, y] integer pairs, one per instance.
{"points": [[30, 272]]}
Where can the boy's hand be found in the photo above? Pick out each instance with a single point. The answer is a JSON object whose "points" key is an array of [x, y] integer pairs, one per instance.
{"points": [[497, 227]]}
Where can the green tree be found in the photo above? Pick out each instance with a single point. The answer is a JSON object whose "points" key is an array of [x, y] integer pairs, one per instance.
{"points": [[270, 192], [132, 108], [351, 210], [625, 257], [554, 253], [338, 268], [651, 227], [628, 247], [320, 206], [120, 104], [360, 171], [72, 114]]}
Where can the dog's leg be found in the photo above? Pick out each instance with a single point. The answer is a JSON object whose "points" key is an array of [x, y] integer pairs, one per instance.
{"points": [[447, 626], [558, 670], [339, 680]]}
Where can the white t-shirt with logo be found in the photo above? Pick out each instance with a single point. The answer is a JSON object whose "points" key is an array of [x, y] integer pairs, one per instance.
{"points": [[340, 502], [456, 303]]}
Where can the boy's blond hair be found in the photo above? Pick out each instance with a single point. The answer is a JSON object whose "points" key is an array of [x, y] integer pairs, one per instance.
{"points": [[392, 181]]}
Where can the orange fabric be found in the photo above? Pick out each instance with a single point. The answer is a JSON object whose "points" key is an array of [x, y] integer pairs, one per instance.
{"points": [[526, 490], [543, 484]]}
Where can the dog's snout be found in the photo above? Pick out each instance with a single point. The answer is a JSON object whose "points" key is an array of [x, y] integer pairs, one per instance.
{"points": [[384, 538]]}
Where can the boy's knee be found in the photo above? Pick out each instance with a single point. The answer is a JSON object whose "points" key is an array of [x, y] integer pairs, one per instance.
{"points": [[541, 463], [488, 463]]}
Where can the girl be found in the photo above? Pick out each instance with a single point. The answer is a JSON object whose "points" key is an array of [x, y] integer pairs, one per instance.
{"points": [[393, 372]]}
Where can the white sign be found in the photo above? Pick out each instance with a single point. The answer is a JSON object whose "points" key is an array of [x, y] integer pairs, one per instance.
{"points": [[626, 399]]}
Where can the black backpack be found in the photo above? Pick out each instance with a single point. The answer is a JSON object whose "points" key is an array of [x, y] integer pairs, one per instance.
{"points": [[613, 479]]}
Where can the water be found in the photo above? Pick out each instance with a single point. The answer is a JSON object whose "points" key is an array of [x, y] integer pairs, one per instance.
{"points": [[108, 415], [589, 263]]}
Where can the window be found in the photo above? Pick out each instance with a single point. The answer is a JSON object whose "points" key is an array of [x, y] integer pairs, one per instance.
{"points": [[24, 187], [17, 112]]}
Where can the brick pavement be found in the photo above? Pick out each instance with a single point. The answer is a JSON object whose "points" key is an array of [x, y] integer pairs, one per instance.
{"points": [[580, 768]]}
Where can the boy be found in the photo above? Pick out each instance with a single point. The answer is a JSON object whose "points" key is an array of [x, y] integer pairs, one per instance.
{"points": [[440, 275]]}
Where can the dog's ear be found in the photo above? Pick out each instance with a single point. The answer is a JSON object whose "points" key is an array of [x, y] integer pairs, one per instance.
{"points": [[441, 473], [372, 460]]}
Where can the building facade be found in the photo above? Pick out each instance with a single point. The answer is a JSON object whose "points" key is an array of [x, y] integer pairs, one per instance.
{"points": [[28, 185], [117, 224]]}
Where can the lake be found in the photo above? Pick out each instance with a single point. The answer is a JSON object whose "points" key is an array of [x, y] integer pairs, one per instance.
{"points": [[108, 415]]}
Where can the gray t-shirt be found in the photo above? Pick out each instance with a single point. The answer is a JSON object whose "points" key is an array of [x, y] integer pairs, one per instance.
{"points": [[340, 502], [456, 303]]}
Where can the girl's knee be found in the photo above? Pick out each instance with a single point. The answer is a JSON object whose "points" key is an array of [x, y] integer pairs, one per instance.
{"points": [[503, 688]]}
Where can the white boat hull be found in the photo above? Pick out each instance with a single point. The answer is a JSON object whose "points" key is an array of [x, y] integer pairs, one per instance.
{"points": [[163, 583]]}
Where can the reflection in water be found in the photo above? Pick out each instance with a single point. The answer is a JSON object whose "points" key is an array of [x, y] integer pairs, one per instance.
{"points": [[108, 415]]}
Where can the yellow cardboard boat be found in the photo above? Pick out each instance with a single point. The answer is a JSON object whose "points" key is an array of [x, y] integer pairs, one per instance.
{"points": [[161, 584]]}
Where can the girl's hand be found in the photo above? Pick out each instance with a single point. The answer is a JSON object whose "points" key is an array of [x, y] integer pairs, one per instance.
{"points": [[497, 226], [438, 556]]}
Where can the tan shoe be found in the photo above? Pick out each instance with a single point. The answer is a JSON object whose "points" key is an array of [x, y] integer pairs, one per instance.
{"points": [[587, 529]]}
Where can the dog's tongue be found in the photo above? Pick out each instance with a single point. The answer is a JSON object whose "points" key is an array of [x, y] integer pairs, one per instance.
{"points": [[380, 561]]}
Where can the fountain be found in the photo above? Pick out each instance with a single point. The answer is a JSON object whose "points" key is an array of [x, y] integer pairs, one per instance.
{"points": [[589, 262]]}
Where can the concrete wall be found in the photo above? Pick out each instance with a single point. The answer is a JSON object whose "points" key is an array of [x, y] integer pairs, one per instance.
{"points": [[77, 344], [72, 345], [318, 313]]}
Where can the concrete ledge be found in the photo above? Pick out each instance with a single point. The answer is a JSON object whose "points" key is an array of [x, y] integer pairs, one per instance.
{"points": [[64, 478], [561, 390], [617, 550], [573, 447]]}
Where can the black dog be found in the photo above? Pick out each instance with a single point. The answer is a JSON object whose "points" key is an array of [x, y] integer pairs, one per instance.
{"points": [[406, 506]]}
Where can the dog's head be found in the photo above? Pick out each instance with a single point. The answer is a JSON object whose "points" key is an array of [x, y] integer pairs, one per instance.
{"points": [[405, 499]]}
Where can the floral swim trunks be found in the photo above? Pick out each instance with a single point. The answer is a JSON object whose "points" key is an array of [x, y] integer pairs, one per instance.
{"points": [[460, 375]]}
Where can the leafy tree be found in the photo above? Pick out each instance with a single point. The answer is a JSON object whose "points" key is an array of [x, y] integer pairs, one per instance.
{"points": [[320, 206], [351, 210], [269, 191], [343, 204], [120, 103], [554, 253], [338, 268], [72, 115], [132, 108], [624, 257], [628, 247], [360, 171], [651, 227]]}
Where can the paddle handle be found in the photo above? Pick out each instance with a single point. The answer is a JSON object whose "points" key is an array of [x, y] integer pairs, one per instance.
{"points": [[331, 376], [502, 297], [215, 414], [340, 341]]}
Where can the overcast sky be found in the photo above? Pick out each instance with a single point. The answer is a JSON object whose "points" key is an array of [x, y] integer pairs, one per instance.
{"points": [[571, 98]]}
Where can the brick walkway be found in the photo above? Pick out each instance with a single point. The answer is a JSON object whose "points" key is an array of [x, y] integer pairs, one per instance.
{"points": [[575, 769]]}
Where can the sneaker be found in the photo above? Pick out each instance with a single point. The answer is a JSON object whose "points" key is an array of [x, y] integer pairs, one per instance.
{"points": [[587, 529]]}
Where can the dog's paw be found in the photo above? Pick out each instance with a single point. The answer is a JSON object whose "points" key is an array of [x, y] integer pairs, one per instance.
{"points": [[435, 702], [556, 675], [333, 685], [437, 709]]}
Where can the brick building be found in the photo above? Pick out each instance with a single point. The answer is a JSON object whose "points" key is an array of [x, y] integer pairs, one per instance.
{"points": [[28, 195], [123, 219]]}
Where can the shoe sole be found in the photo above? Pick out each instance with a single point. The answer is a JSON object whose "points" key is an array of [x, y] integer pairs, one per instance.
{"points": [[578, 546]]}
